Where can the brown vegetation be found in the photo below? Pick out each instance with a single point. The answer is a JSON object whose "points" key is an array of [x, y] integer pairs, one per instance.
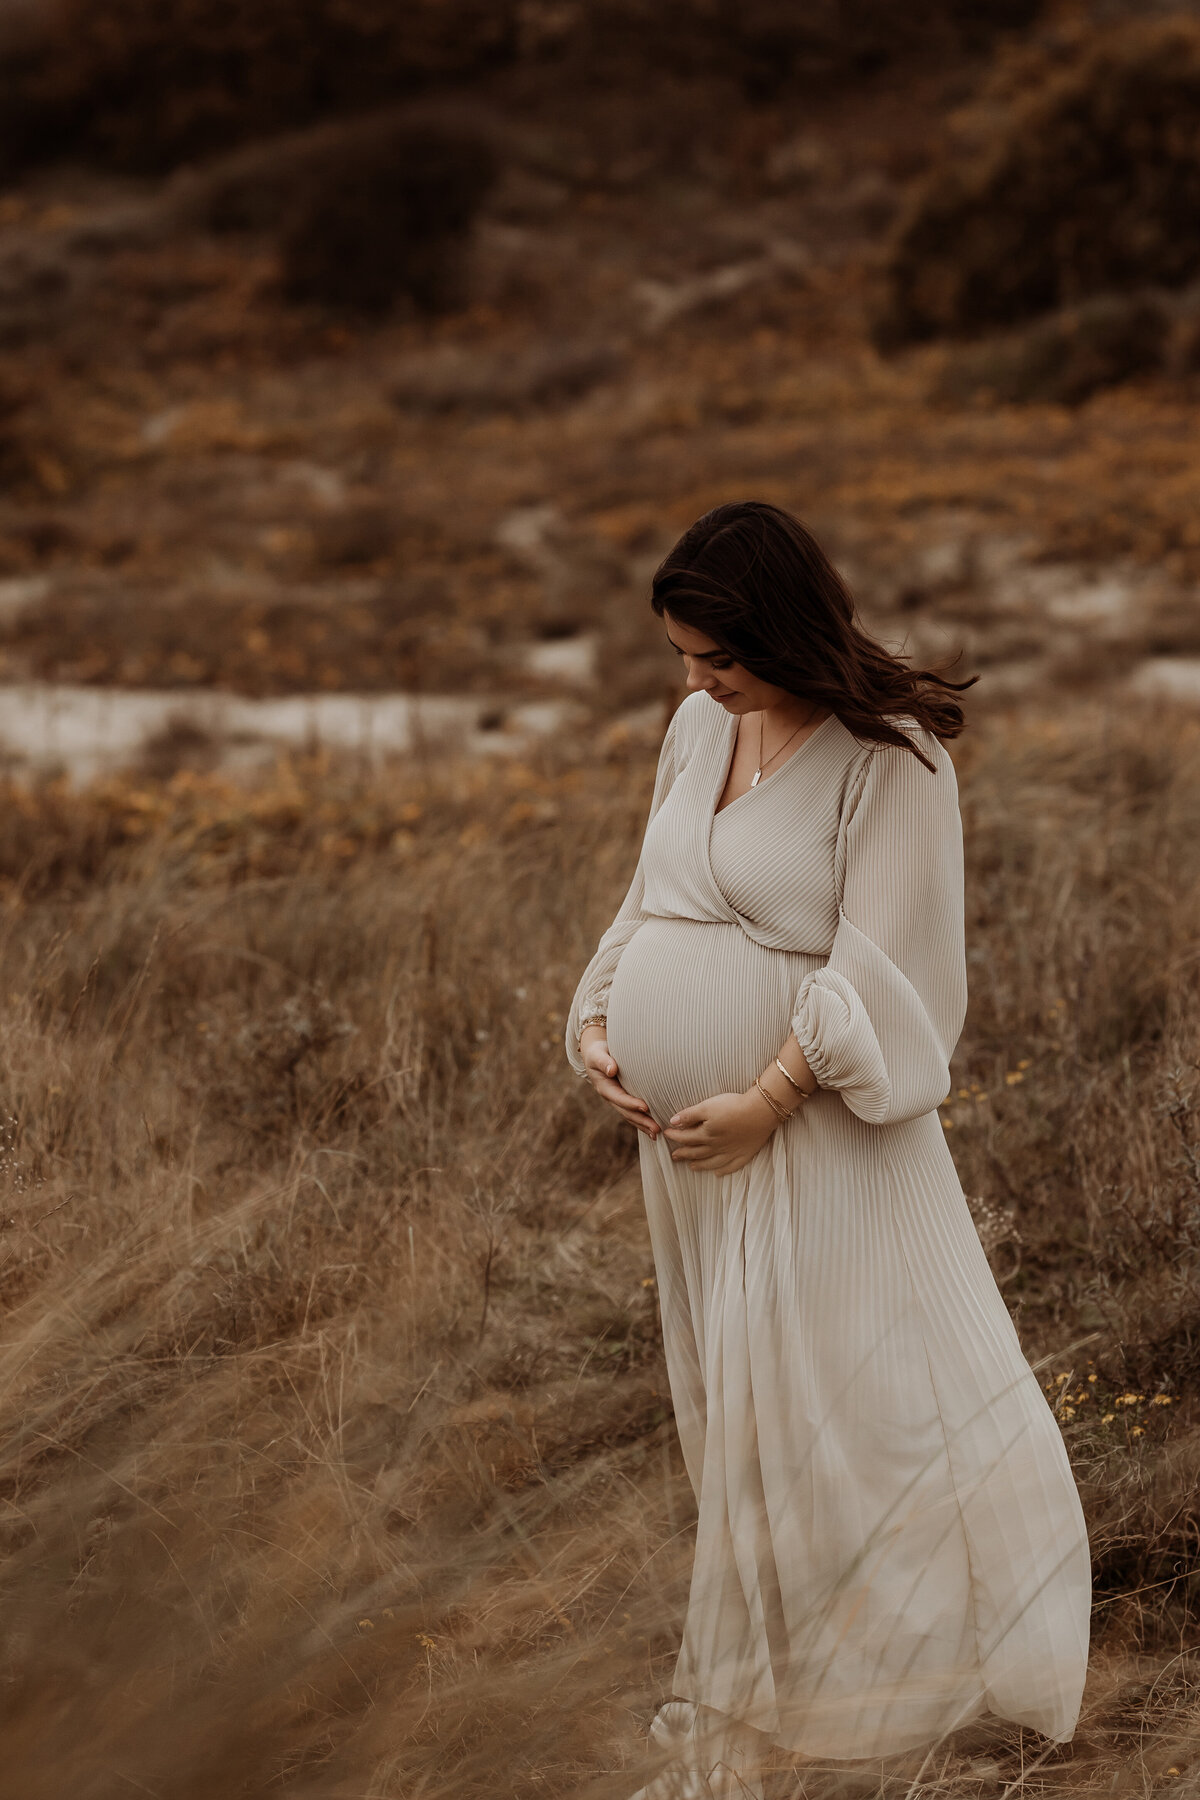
{"points": [[1065, 357], [384, 218], [331, 1347], [1083, 180], [337, 1452], [143, 86]]}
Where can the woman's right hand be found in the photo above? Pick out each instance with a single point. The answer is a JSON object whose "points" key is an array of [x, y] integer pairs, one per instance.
{"points": [[602, 1072]]}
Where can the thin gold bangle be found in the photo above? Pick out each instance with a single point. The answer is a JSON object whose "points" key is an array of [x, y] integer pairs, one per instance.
{"points": [[780, 1111], [803, 1092]]}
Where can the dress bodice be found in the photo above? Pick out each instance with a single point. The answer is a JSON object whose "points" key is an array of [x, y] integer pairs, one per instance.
{"points": [[767, 860]]}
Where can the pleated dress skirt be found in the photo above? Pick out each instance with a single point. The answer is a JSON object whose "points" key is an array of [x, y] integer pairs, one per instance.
{"points": [[889, 1539]]}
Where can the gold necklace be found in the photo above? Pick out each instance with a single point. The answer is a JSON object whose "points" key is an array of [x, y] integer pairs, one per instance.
{"points": [[761, 765]]}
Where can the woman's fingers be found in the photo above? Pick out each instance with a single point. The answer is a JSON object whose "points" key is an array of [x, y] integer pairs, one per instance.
{"points": [[686, 1137], [616, 1095], [688, 1116], [628, 1105]]}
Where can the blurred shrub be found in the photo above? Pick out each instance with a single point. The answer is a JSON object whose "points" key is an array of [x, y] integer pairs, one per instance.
{"points": [[146, 84], [763, 44], [385, 216], [1065, 357], [1088, 182]]}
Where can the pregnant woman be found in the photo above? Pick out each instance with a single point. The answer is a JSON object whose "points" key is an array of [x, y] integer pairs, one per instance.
{"points": [[889, 1539]]}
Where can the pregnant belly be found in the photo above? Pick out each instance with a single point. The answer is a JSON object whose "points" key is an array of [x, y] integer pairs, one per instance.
{"points": [[698, 1008]]}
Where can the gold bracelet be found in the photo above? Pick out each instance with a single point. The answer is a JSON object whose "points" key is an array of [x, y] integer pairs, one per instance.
{"points": [[803, 1092], [780, 1111]]}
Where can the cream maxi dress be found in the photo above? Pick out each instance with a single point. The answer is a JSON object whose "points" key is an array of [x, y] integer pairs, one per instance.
{"points": [[889, 1538]]}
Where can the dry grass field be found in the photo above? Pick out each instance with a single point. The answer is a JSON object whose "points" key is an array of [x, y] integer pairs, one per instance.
{"points": [[337, 1454]]}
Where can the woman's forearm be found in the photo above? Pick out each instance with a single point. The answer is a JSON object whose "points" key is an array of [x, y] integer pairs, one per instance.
{"points": [[796, 1063]]}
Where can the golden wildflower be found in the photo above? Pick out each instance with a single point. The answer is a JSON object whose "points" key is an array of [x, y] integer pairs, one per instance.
{"points": [[1066, 1412], [647, 1281], [1059, 1379], [1137, 1431], [1161, 1400], [1013, 1076], [1108, 1418], [1093, 1378], [426, 1642], [1025, 1062], [366, 1625]]}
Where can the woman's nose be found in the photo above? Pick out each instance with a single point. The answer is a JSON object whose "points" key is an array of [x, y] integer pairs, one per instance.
{"points": [[698, 676]]}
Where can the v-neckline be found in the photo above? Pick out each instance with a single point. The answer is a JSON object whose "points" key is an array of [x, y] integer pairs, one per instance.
{"points": [[765, 780]]}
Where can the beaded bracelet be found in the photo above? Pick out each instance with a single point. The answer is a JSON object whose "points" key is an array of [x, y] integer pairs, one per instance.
{"points": [[592, 1019]]}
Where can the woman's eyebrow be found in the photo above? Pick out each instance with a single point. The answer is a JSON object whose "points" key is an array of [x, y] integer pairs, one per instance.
{"points": [[700, 655]]}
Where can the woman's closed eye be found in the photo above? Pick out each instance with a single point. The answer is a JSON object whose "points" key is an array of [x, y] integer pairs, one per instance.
{"points": [[724, 663]]}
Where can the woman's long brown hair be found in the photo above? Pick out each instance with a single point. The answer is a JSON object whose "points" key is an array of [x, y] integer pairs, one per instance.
{"points": [[755, 580]]}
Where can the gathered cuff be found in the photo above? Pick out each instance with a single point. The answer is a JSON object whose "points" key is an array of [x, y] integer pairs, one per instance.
{"points": [[832, 1027], [595, 1000]]}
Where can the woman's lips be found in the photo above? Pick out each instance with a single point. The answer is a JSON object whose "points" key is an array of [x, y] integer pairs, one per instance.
{"points": [[715, 696]]}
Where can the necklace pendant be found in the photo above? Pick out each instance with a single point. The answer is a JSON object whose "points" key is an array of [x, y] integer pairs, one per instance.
{"points": [[755, 778]]}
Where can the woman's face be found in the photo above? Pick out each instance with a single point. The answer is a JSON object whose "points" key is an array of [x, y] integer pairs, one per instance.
{"points": [[714, 672]]}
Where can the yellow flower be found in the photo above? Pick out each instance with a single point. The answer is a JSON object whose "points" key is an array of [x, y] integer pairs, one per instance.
{"points": [[1025, 1062], [1066, 1412], [425, 1641], [1093, 1378], [366, 1625], [1137, 1431], [1013, 1076], [1108, 1418], [1161, 1400], [1059, 1379]]}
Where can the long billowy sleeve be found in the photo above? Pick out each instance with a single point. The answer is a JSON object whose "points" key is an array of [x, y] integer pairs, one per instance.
{"points": [[591, 996], [880, 1021]]}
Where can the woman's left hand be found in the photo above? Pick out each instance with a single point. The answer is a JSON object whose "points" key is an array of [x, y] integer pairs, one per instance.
{"points": [[720, 1134]]}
